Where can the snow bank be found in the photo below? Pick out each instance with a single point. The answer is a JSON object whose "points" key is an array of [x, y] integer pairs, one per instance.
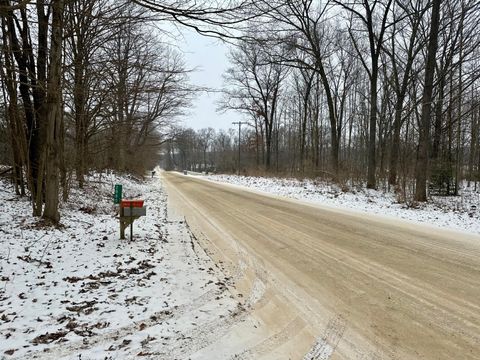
{"points": [[459, 213]]}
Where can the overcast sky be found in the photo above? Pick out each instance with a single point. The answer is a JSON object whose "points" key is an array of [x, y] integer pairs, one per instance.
{"points": [[209, 57]]}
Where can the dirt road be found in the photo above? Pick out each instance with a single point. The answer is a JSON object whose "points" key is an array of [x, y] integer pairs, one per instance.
{"points": [[340, 285]]}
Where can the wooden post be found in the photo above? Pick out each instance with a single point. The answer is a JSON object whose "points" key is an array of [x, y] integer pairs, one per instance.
{"points": [[122, 228], [131, 222]]}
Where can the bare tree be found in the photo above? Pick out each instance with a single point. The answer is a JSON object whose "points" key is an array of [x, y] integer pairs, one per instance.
{"points": [[39, 79], [205, 138], [373, 17], [305, 29], [254, 87], [406, 44], [424, 126], [89, 25]]}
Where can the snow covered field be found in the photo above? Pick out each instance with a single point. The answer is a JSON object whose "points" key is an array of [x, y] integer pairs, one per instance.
{"points": [[459, 213], [78, 292]]}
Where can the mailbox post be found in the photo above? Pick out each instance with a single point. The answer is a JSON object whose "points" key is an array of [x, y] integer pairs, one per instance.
{"points": [[130, 210]]}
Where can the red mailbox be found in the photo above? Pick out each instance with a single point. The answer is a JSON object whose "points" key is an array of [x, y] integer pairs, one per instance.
{"points": [[131, 203]]}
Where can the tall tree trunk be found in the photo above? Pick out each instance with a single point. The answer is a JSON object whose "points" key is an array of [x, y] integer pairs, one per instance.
{"points": [[54, 116], [449, 151], [268, 145], [372, 164], [395, 149], [335, 142], [459, 157], [421, 171], [10, 95], [437, 126], [80, 121], [22, 52], [257, 143], [473, 141]]}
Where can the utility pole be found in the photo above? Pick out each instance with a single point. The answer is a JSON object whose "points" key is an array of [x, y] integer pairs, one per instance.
{"points": [[240, 123]]}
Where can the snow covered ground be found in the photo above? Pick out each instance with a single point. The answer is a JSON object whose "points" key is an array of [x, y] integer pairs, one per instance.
{"points": [[78, 292], [459, 213]]}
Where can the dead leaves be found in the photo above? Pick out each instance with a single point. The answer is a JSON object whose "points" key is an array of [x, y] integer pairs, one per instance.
{"points": [[99, 276], [124, 343], [93, 285], [49, 337], [85, 307], [140, 268], [29, 259], [83, 330], [88, 209], [148, 339]]}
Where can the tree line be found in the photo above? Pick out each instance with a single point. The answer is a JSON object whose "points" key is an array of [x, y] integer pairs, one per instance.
{"points": [[380, 92], [86, 84]]}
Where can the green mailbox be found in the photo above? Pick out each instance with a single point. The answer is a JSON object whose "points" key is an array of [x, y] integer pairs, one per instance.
{"points": [[117, 197]]}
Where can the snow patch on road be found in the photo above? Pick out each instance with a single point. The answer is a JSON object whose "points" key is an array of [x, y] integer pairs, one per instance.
{"points": [[257, 292]]}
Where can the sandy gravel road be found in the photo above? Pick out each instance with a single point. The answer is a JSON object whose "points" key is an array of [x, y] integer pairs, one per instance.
{"points": [[338, 284]]}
